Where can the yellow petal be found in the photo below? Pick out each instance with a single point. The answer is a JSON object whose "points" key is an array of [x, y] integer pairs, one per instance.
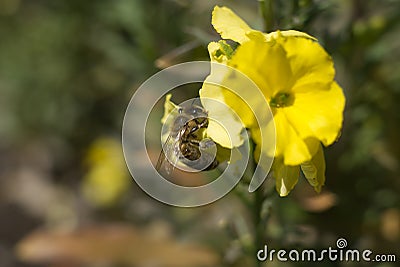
{"points": [[289, 144], [286, 177], [268, 144], [229, 25], [227, 138], [224, 127], [228, 78], [240, 107], [265, 63], [258, 36], [169, 106], [309, 61], [317, 113], [314, 170], [213, 47], [289, 33]]}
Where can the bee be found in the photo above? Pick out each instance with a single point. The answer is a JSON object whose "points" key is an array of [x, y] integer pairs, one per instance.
{"points": [[184, 142]]}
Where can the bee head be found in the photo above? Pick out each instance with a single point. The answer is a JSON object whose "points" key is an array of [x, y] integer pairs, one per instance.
{"points": [[197, 111]]}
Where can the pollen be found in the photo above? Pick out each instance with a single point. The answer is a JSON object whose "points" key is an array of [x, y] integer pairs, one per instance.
{"points": [[281, 99]]}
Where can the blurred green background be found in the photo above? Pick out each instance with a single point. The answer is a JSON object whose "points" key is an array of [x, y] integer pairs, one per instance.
{"points": [[67, 72]]}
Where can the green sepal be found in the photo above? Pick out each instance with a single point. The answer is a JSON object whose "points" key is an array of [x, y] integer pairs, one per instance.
{"points": [[314, 170]]}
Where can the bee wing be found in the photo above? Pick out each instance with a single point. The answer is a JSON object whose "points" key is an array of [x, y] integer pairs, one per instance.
{"points": [[166, 154], [161, 157]]}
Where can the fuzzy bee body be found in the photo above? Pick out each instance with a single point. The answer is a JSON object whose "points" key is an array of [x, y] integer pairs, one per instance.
{"points": [[185, 140]]}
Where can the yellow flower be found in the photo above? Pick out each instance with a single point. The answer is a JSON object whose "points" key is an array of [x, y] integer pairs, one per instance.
{"points": [[296, 76], [107, 178]]}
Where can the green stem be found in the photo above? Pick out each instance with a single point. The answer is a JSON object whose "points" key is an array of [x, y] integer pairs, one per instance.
{"points": [[294, 9], [267, 13], [258, 223], [256, 203], [259, 206]]}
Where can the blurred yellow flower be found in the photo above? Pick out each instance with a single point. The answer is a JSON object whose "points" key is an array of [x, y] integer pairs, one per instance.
{"points": [[296, 76], [107, 178]]}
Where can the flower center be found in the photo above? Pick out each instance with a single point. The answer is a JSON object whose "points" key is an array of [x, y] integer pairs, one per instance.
{"points": [[281, 100]]}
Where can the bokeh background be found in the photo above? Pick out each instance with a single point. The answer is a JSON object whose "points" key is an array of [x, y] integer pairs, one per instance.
{"points": [[67, 72]]}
